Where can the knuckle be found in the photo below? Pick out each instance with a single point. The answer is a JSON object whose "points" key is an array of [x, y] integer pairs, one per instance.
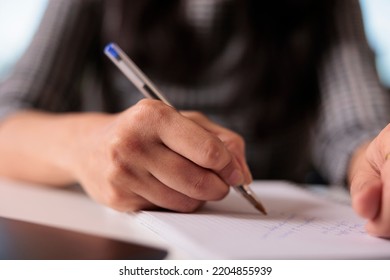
{"points": [[212, 153], [114, 148], [198, 188], [149, 111], [237, 143], [132, 146], [201, 188], [119, 147]]}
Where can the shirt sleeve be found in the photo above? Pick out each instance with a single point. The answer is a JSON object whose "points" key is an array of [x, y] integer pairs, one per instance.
{"points": [[355, 107], [49, 73]]}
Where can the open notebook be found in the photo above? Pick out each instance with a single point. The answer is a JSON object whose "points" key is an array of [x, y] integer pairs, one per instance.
{"points": [[299, 225]]}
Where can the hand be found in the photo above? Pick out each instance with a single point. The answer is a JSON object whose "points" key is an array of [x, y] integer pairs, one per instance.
{"points": [[151, 155], [370, 184]]}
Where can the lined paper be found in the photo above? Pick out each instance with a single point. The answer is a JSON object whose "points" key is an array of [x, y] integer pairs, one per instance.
{"points": [[299, 225]]}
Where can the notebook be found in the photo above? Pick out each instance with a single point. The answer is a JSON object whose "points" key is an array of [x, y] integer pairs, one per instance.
{"points": [[299, 225]]}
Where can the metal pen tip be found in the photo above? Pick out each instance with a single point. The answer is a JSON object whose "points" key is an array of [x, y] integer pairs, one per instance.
{"points": [[250, 196], [261, 208]]}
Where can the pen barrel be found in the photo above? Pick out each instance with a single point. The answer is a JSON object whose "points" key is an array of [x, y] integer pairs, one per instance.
{"points": [[134, 74]]}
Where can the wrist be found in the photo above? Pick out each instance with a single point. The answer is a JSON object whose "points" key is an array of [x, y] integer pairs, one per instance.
{"points": [[86, 132]]}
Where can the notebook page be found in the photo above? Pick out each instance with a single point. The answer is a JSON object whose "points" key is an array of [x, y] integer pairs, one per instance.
{"points": [[298, 225]]}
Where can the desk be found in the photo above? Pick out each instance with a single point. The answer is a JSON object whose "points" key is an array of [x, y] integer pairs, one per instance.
{"points": [[73, 209]]}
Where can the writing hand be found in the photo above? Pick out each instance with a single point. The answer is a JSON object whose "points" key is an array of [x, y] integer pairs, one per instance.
{"points": [[151, 155]]}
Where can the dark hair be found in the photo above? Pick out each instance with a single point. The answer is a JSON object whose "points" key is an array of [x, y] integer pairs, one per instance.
{"points": [[284, 43]]}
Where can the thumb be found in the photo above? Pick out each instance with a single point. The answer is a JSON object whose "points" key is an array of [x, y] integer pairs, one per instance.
{"points": [[366, 184], [366, 190]]}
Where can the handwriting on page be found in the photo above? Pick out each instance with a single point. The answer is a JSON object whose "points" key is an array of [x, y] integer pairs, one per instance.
{"points": [[298, 225], [289, 224]]}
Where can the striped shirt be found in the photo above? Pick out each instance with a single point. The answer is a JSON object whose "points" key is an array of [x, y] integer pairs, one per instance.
{"points": [[55, 75]]}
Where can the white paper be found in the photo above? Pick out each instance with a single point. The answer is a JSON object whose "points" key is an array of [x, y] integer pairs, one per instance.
{"points": [[299, 225]]}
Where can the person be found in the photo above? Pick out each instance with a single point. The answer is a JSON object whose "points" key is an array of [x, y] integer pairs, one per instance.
{"points": [[295, 79]]}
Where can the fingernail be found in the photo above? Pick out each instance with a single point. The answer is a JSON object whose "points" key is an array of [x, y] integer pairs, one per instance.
{"points": [[236, 178]]}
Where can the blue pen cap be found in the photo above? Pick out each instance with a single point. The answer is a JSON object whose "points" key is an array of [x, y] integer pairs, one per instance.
{"points": [[110, 49]]}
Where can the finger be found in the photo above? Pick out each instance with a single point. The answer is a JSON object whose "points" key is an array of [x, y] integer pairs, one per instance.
{"points": [[365, 181], [238, 152], [377, 155], [232, 141], [235, 144], [201, 147], [184, 176], [127, 188], [161, 195], [366, 197], [122, 200], [380, 225], [365, 187]]}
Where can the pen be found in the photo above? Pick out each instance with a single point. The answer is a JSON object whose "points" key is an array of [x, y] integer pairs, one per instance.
{"points": [[148, 89]]}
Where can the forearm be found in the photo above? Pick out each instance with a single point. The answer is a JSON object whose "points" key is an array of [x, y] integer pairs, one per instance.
{"points": [[41, 148]]}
